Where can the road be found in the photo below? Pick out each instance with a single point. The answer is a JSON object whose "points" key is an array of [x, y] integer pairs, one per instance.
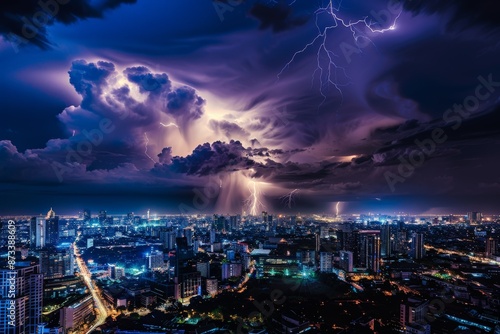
{"points": [[98, 302], [472, 258]]}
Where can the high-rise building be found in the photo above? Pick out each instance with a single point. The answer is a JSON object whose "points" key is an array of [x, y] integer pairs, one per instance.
{"points": [[212, 286], [369, 250], [385, 239], [231, 270], [318, 242], [474, 217], [204, 269], [102, 216], [417, 246], [51, 228], [55, 263], [325, 262], [212, 236], [74, 316], [196, 245], [188, 233], [21, 291], [37, 232], [491, 247], [347, 261], [86, 215], [233, 223], [412, 311], [155, 260], [115, 272], [167, 237]]}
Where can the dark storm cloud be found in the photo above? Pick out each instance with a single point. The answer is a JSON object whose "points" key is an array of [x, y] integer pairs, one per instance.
{"points": [[165, 157], [27, 20], [278, 17], [229, 129], [462, 14], [185, 105], [213, 159], [147, 81]]}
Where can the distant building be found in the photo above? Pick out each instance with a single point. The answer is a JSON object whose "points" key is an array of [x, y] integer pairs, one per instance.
{"points": [[212, 236], [347, 261], [51, 228], [386, 241], [491, 247], [325, 262], [86, 215], [187, 285], [318, 242], [204, 269], [115, 272], [369, 250], [230, 255], [55, 263], [417, 246], [155, 260], [412, 311], [212, 286], [167, 238], [37, 232], [474, 217], [102, 216], [188, 233], [231, 270]]}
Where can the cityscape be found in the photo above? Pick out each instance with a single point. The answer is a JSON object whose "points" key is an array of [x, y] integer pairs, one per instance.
{"points": [[271, 273], [249, 166]]}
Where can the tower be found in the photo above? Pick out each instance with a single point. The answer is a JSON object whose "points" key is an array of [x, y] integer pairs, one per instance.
{"points": [[491, 247], [386, 240], [417, 246]]}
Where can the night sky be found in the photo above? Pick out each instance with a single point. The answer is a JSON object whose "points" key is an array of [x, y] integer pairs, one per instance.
{"points": [[194, 106]]}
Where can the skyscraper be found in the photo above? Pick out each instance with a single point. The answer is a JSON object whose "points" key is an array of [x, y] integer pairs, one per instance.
{"points": [[325, 262], [385, 239], [347, 261], [21, 291], [417, 246], [369, 250], [212, 236], [86, 215], [155, 260], [188, 233], [37, 232], [491, 247], [474, 217], [51, 228], [56, 263]]}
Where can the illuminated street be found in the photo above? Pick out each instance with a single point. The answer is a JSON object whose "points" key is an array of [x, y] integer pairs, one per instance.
{"points": [[98, 302]]}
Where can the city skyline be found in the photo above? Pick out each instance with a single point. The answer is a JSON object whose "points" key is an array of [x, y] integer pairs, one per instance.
{"points": [[385, 106]]}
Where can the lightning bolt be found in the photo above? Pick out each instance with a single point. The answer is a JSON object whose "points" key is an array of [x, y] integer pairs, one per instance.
{"points": [[329, 72], [146, 147], [337, 209], [253, 202], [288, 198], [169, 124]]}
